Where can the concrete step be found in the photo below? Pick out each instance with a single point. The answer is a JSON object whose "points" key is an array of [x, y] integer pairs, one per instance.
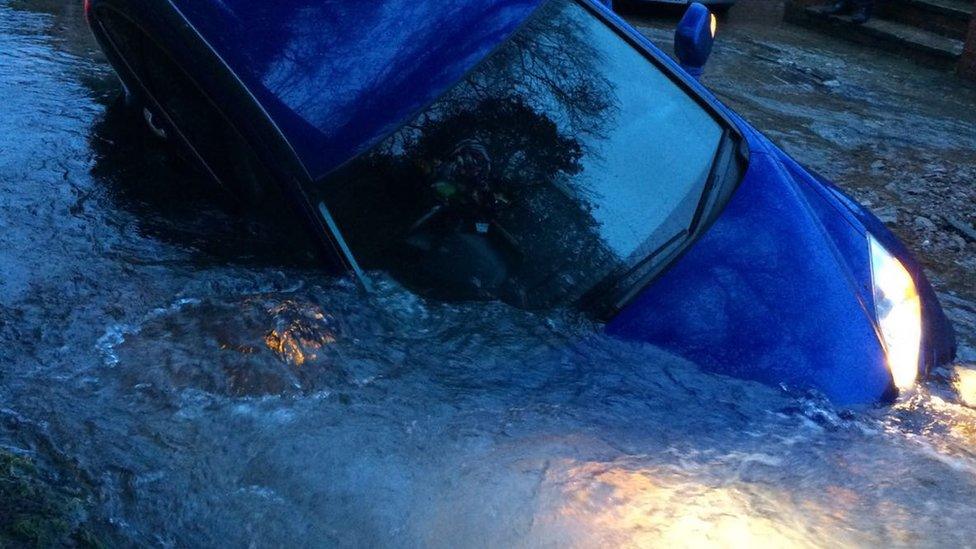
{"points": [[922, 45], [946, 17]]}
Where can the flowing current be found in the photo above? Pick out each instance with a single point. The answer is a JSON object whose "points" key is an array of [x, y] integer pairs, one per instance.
{"points": [[199, 387]]}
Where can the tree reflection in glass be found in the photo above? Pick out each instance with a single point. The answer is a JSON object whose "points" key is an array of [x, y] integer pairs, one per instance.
{"points": [[563, 158]]}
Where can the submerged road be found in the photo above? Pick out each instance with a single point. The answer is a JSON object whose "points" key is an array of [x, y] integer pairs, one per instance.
{"points": [[169, 377]]}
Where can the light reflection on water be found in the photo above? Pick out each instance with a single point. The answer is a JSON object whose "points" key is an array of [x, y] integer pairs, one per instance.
{"points": [[965, 385], [637, 507], [209, 400], [300, 331], [944, 429]]}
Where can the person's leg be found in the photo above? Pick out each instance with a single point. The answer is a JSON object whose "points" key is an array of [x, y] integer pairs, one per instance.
{"points": [[862, 11]]}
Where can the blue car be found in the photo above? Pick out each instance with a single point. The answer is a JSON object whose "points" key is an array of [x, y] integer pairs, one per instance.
{"points": [[542, 153]]}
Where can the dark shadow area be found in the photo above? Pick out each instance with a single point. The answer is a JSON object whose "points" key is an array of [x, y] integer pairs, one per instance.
{"points": [[632, 7], [638, 9], [175, 202]]}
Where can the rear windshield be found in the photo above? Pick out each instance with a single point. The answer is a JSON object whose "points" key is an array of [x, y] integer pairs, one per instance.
{"points": [[565, 158]]}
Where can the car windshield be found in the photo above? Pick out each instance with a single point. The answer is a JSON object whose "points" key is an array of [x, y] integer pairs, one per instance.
{"points": [[565, 158]]}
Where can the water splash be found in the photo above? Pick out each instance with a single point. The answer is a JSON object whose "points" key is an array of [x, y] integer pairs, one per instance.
{"points": [[115, 335]]}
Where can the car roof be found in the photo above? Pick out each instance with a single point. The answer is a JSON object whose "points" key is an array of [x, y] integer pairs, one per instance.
{"points": [[338, 76]]}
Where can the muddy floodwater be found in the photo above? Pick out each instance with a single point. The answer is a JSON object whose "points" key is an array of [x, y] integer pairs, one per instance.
{"points": [[170, 377]]}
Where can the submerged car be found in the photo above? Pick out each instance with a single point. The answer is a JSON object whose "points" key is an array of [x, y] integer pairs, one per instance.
{"points": [[545, 154]]}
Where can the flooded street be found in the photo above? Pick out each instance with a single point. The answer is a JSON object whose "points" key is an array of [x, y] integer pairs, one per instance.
{"points": [[170, 377]]}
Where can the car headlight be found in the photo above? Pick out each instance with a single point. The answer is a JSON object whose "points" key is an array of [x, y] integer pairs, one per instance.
{"points": [[899, 313]]}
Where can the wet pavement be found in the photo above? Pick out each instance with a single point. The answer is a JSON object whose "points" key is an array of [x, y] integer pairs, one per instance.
{"points": [[173, 378]]}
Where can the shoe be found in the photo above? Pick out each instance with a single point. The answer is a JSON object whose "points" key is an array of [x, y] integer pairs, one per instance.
{"points": [[838, 8], [861, 16]]}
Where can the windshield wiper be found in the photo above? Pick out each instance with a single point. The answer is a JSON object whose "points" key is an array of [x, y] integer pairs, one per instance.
{"points": [[717, 179], [613, 295]]}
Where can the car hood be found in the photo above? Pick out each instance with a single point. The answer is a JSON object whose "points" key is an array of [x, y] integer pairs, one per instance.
{"points": [[777, 290]]}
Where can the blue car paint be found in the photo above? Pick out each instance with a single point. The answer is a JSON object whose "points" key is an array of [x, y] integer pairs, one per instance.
{"points": [[777, 290], [938, 339], [768, 295], [339, 76], [843, 375], [693, 39]]}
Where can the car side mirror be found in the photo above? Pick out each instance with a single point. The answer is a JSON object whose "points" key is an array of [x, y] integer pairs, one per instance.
{"points": [[694, 37]]}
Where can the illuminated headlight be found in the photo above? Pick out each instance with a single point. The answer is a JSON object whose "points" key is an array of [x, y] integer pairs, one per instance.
{"points": [[899, 314]]}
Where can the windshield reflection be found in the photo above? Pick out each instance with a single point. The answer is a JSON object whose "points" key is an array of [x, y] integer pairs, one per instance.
{"points": [[564, 158]]}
